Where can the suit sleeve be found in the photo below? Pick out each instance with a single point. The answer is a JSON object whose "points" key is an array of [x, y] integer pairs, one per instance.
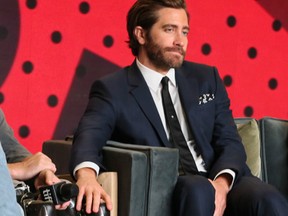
{"points": [[226, 142], [95, 127]]}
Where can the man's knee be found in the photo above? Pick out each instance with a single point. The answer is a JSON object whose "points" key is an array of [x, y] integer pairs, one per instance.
{"points": [[192, 193], [253, 196], [194, 186], [269, 200]]}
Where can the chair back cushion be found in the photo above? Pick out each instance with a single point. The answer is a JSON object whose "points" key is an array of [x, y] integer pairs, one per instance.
{"points": [[248, 130]]}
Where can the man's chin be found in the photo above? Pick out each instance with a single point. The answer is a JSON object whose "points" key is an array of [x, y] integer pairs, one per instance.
{"points": [[175, 63]]}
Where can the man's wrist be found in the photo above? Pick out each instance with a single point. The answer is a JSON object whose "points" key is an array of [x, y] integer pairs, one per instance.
{"points": [[229, 172], [15, 173], [86, 164], [225, 179], [84, 172]]}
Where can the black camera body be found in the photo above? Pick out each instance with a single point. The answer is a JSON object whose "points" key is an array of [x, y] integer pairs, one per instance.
{"points": [[30, 204], [103, 211], [50, 196], [38, 207]]}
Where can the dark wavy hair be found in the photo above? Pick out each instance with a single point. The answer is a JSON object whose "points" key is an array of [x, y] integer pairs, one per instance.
{"points": [[144, 13]]}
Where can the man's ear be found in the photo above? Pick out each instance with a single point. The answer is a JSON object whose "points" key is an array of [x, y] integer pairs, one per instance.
{"points": [[139, 34]]}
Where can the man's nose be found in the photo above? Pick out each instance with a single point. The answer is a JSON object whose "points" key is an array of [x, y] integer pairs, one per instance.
{"points": [[179, 39]]}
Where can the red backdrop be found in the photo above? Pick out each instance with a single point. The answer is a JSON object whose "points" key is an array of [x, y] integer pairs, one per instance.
{"points": [[51, 51]]}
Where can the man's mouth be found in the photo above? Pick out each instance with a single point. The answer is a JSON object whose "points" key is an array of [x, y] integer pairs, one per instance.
{"points": [[177, 50]]}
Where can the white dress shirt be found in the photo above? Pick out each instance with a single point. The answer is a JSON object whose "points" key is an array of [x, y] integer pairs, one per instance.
{"points": [[153, 80]]}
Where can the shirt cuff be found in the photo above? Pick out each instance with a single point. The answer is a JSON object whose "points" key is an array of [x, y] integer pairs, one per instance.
{"points": [[86, 164], [230, 172]]}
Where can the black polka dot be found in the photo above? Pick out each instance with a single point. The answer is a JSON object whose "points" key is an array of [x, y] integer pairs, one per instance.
{"points": [[248, 111], [80, 71], [3, 33], [206, 49], [227, 80], [252, 52], [108, 41], [277, 25], [31, 4], [273, 83], [231, 21], [24, 131], [56, 37], [27, 67], [84, 7], [52, 100], [2, 98]]}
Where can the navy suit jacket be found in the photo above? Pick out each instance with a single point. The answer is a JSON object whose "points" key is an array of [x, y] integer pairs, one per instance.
{"points": [[121, 108]]}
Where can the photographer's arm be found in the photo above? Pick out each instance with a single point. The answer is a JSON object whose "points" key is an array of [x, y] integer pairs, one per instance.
{"points": [[91, 190], [39, 166], [30, 167]]}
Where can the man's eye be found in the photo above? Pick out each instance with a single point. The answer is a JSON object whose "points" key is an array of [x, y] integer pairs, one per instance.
{"points": [[169, 29], [185, 33]]}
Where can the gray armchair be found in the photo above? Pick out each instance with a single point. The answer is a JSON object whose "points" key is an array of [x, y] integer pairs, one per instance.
{"points": [[147, 175]]}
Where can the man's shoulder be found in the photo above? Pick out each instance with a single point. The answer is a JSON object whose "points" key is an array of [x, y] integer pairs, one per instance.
{"points": [[113, 77], [117, 74], [114, 81], [126, 76]]}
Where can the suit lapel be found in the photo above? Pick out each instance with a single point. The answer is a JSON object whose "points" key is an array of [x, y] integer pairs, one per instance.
{"points": [[188, 90], [142, 95], [189, 96]]}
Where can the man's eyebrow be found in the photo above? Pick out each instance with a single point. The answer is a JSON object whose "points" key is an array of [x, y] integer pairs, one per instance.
{"points": [[175, 26], [186, 28], [170, 25]]}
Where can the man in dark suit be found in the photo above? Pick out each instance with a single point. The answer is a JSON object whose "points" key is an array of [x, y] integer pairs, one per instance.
{"points": [[127, 107]]}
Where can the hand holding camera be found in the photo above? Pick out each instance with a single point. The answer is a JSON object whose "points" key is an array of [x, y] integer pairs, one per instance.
{"points": [[59, 193], [52, 195]]}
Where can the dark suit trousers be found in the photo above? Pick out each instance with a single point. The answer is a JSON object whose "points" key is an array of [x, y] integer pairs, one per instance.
{"points": [[194, 195]]}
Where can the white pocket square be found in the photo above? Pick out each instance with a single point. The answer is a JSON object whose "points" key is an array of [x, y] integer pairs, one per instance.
{"points": [[205, 98]]}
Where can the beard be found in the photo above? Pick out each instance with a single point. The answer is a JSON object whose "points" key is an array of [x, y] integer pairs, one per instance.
{"points": [[163, 58]]}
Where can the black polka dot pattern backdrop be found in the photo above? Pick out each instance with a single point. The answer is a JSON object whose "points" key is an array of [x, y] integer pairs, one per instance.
{"points": [[51, 51]]}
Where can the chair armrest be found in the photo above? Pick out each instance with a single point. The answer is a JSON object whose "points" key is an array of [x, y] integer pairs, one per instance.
{"points": [[161, 176], [146, 175], [130, 166]]}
